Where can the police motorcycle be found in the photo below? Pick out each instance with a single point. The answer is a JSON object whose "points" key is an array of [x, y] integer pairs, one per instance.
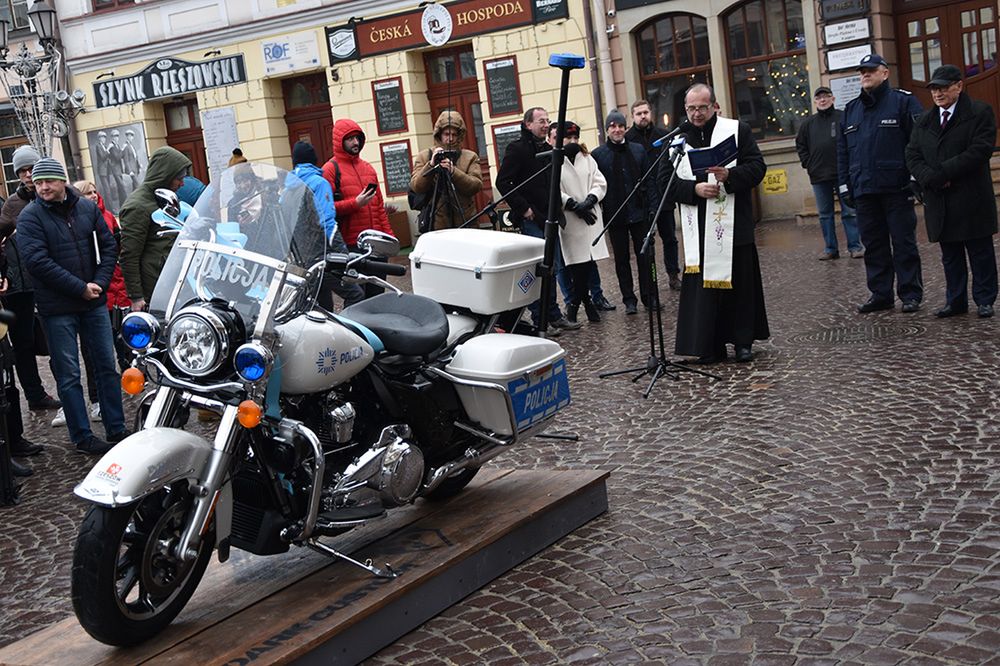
{"points": [[327, 421]]}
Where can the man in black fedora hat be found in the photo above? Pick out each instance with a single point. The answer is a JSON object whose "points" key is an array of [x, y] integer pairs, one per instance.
{"points": [[949, 155]]}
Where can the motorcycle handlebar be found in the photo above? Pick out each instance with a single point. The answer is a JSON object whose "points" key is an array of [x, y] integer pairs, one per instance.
{"points": [[338, 261]]}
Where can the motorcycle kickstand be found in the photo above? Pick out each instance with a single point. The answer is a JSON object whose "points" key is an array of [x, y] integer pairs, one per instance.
{"points": [[366, 565], [569, 437]]}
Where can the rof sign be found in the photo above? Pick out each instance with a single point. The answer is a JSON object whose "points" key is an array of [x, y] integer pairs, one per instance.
{"points": [[289, 53]]}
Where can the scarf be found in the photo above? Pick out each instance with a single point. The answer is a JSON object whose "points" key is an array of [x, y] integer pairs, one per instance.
{"points": [[719, 221]]}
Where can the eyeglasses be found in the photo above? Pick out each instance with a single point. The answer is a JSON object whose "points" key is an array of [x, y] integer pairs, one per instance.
{"points": [[702, 108]]}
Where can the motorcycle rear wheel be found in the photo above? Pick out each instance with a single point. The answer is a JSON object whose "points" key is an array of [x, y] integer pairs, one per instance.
{"points": [[126, 586], [453, 485]]}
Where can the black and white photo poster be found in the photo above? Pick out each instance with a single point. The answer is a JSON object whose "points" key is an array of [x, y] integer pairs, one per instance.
{"points": [[118, 156]]}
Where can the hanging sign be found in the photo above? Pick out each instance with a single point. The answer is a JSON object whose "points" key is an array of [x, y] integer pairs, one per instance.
{"points": [[776, 181], [168, 77], [341, 43], [422, 27]]}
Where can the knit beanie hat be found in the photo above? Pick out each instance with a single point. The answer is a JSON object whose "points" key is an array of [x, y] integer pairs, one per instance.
{"points": [[48, 169], [616, 117], [303, 153], [25, 157], [237, 157]]}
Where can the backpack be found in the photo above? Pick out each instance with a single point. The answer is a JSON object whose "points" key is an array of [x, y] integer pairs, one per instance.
{"points": [[417, 201], [337, 194]]}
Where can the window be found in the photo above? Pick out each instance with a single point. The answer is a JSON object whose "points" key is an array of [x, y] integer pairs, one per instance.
{"points": [[767, 54], [7, 148], [16, 13], [673, 55], [111, 4]]}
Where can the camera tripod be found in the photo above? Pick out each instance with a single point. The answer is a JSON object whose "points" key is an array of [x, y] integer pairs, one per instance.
{"points": [[442, 194], [657, 365]]}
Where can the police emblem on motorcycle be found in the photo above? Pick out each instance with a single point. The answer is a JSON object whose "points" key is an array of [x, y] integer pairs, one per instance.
{"points": [[526, 281], [326, 361]]}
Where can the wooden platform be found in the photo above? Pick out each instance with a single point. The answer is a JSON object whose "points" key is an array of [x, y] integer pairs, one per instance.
{"points": [[303, 607]]}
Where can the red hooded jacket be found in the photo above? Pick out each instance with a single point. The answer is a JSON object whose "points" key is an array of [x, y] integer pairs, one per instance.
{"points": [[355, 174], [117, 294]]}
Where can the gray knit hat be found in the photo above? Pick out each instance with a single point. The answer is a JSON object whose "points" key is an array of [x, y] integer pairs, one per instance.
{"points": [[48, 169], [616, 117], [24, 158]]}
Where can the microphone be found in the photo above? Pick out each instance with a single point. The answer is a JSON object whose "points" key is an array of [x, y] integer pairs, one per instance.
{"points": [[683, 127]]}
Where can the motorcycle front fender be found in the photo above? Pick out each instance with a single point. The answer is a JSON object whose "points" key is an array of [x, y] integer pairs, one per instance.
{"points": [[143, 463]]}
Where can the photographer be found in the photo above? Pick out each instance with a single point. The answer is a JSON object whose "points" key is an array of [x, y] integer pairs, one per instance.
{"points": [[448, 176]]}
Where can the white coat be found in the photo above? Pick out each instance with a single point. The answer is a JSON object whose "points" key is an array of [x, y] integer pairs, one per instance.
{"points": [[579, 179]]}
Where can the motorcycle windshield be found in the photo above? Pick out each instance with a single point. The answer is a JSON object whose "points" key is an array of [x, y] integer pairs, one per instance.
{"points": [[250, 240]]}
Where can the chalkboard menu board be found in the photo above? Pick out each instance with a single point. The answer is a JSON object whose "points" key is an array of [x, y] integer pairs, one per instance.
{"points": [[396, 165], [390, 113], [503, 135], [502, 87]]}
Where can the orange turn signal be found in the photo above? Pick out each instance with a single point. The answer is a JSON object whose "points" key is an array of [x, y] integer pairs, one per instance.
{"points": [[249, 414], [133, 381]]}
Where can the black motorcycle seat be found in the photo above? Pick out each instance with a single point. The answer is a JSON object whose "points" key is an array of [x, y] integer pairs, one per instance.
{"points": [[407, 324]]}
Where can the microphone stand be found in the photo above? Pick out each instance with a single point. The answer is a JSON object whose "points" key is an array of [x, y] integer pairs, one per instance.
{"points": [[490, 208], [657, 365], [651, 169], [567, 63], [8, 488]]}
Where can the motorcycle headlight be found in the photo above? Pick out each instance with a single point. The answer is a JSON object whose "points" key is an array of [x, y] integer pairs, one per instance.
{"points": [[252, 361], [197, 341], [140, 330]]}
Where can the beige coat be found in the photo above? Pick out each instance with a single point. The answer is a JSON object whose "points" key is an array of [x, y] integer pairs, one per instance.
{"points": [[580, 178], [466, 176]]}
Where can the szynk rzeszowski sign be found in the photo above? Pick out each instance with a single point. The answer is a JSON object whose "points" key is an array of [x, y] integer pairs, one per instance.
{"points": [[168, 77]]}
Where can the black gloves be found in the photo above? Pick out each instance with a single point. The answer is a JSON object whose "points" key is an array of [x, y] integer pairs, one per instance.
{"points": [[936, 181], [571, 204], [588, 203], [587, 215]]}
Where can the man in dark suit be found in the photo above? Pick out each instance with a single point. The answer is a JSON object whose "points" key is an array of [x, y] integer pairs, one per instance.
{"points": [[949, 155]]}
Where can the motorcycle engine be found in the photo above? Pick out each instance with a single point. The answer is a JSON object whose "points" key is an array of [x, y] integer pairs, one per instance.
{"points": [[401, 473]]}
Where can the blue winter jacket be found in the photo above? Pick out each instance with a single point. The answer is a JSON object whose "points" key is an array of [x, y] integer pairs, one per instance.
{"points": [[59, 244], [312, 176]]}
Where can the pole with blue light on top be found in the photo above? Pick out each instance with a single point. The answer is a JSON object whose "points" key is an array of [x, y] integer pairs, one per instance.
{"points": [[566, 62]]}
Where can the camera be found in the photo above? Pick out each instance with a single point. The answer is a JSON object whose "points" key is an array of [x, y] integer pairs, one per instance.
{"points": [[452, 155]]}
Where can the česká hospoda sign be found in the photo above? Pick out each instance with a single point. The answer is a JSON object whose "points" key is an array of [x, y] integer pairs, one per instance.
{"points": [[168, 77]]}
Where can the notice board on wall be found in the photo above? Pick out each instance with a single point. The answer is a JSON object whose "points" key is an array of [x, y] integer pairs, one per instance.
{"points": [[396, 165], [390, 112], [502, 87]]}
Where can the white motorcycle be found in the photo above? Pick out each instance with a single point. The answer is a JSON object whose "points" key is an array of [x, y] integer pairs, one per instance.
{"points": [[326, 421]]}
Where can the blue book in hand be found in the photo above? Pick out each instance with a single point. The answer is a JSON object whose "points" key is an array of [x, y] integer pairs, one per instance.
{"points": [[718, 155]]}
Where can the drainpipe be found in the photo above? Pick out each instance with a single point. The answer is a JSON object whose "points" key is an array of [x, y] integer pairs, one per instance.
{"points": [[604, 57], [595, 83]]}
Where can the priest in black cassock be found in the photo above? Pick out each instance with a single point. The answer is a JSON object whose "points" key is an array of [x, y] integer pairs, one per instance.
{"points": [[722, 299]]}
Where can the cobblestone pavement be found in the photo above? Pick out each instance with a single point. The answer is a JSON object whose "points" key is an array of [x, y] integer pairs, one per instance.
{"points": [[835, 501]]}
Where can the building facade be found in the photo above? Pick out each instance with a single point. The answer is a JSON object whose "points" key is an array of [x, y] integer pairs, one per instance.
{"points": [[206, 76]]}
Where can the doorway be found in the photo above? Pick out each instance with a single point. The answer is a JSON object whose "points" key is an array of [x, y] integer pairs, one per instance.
{"points": [[184, 134], [452, 83], [308, 113], [958, 33]]}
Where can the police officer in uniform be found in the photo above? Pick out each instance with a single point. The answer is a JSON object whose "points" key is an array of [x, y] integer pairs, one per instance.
{"points": [[871, 170]]}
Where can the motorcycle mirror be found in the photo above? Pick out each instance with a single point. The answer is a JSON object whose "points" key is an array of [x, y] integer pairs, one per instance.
{"points": [[168, 202], [378, 242]]}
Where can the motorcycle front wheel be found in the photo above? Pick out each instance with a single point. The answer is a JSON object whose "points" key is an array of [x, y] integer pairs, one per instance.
{"points": [[127, 586]]}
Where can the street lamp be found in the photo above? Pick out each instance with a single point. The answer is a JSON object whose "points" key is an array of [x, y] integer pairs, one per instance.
{"points": [[32, 82]]}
